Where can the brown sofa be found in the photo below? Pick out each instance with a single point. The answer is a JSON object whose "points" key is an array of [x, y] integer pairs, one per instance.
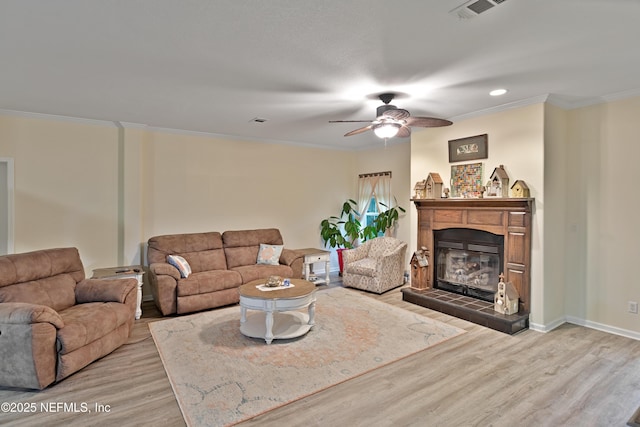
{"points": [[53, 321], [220, 263]]}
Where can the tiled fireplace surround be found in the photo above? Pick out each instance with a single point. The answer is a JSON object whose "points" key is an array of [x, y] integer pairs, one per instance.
{"points": [[510, 218]]}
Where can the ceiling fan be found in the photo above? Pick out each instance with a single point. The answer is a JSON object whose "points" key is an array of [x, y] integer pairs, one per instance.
{"points": [[392, 121]]}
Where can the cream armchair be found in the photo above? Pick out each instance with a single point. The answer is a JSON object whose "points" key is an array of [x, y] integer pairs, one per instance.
{"points": [[377, 265]]}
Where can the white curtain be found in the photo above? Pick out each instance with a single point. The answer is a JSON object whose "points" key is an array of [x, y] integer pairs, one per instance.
{"points": [[377, 186]]}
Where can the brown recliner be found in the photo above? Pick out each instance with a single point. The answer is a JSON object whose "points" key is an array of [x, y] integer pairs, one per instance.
{"points": [[53, 321]]}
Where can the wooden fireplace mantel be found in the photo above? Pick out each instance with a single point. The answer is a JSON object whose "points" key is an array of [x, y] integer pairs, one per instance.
{"points": [[508, 217]]}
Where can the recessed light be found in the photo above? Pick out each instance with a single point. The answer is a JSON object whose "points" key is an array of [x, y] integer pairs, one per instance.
{"points": [[498, 92]]}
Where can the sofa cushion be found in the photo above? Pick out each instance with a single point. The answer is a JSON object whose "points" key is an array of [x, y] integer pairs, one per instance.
{"points": [[262, 271], [362, 267], [269, 254], [241, 246], [203, 251], [46, 277], [208, 281], [57, 292], [181, 264], [31, 266], [85, 323]]}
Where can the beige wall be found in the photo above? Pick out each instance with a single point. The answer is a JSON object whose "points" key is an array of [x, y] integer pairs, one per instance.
{"points": [[65, 185], [394, 157], [602, 234], [196, 183], [555, 190]]}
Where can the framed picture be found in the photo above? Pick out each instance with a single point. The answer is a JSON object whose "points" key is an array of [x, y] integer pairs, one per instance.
{"points": [[466, 181], [470, 148]]}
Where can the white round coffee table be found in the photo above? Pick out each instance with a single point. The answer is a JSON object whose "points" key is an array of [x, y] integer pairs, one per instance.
{"points": [[276, 318]]}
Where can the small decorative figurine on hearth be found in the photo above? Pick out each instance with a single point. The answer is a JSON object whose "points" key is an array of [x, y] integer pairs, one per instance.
{"points": [[506, 299], [420, 269]]}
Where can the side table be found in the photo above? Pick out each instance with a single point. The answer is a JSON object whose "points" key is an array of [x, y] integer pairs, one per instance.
{"points": [[131, 271], [312, 256]]}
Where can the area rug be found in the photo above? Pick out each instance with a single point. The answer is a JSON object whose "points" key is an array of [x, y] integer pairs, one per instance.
{"points": [[220, 377], [634, 421]]}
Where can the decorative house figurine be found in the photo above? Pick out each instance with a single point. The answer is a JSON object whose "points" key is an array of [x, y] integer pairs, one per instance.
{"points": [[420, 269], [498, 185], [434, 186], [420, 189], [520, 189], [506, 299]]}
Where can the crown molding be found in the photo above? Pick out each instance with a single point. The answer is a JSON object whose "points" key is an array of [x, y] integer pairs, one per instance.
{"points": [[509, 106], [56, 117]]}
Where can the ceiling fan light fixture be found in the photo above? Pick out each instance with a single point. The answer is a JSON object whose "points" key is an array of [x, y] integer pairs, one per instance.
{"points": [[386, 130]]}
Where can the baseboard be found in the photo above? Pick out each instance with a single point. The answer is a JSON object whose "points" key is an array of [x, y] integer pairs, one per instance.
{"points": [[587, 324], [604, 328], [547, 327]]}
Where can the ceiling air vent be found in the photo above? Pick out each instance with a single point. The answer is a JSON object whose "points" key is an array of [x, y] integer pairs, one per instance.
{"points": [[474, 8]]}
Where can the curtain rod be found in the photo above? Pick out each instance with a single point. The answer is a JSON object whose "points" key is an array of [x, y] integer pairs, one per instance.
{"points": [[366, 175]]}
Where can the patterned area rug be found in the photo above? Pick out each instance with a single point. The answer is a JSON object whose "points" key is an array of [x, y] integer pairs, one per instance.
{"points": [[221, 377]]}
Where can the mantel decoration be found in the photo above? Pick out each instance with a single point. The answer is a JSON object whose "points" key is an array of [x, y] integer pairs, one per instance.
{"points": [[466, 181], [470, 148], [498, 184]]}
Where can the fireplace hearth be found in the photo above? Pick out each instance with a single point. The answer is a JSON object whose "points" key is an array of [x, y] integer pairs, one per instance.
{"points": [[468, 244]]}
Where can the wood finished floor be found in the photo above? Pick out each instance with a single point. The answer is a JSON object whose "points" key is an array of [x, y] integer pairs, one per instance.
{"points": [[572, 376]]}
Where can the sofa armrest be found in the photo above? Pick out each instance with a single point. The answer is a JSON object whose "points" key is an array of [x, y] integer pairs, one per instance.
{"points": [[289, 256], [105, 290], [392, 257], [163, 281], [355, 254], [20, 313], [164, 268]]}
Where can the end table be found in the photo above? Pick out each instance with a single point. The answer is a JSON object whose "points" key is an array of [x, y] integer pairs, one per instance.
{"points": [[312, 256], [131, 271]]}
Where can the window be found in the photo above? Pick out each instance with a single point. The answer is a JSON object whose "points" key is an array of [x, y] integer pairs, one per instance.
{"points": [[371, 213], [374, 191]]}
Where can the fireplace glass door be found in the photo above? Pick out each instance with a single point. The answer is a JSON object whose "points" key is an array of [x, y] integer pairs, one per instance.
{"points": [[468, 266]]}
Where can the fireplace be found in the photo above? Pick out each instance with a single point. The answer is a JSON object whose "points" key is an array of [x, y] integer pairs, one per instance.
{"points": [[468, 262], [468, 244]]}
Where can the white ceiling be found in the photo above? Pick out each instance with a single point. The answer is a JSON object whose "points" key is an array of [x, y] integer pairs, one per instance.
{"points": [[214, 65]]}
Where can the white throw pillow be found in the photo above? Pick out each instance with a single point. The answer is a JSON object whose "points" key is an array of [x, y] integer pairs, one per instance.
{"points": [[181, 264], [269, 254]]}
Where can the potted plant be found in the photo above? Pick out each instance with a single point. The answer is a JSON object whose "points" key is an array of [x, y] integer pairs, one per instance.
{"points": [[341, 232], [385, 221]]}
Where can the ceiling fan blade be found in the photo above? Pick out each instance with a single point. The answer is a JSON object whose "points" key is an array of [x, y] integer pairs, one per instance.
{"points": [[357, 131], [427, 122], [349, 121], [396, 114], [404, 132]]}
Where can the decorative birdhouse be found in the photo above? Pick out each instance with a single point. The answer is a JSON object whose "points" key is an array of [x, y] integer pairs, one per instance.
{"points": [[520, 189], [506, 299], [420, 269], [420, 189], [434, 186], [498, 185]]}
